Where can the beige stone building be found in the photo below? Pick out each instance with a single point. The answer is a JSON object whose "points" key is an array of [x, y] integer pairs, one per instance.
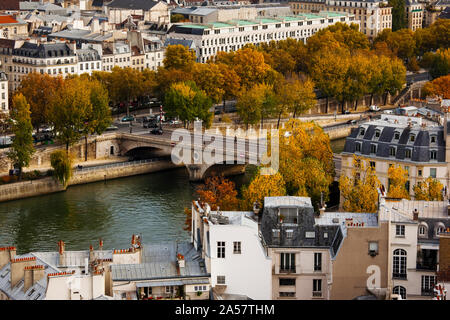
{"points": [[154, 11], [414, 14], [4, 101], [374, 16], [11, 28]]}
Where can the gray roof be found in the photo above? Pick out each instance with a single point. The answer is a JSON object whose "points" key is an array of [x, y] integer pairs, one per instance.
{"points": [[44, 50], [187, 43], [301, 225], [132, 4], [87, 55], [159, 262], [420, 148], [35, 292], [72, 258]]}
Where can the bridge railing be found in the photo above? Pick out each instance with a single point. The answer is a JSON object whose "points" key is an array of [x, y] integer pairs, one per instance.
{"points": [[117, 164]]}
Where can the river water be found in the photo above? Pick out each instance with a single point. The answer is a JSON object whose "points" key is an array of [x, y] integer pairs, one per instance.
{"points": [[151, 205]]}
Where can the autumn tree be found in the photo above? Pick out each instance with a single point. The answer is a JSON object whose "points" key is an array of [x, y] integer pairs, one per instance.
{"points": [[125, 85], [398, 177], [179, 57], [250, 66], [304, 96], [219, 192], [39, 89], [209, 78], [61, 163], [438, 63], [360, 189], [231, 83], [428, 190], [255, 103], [22, 146], [306, 160], [70, 109], [262, 186], [438, 87]]}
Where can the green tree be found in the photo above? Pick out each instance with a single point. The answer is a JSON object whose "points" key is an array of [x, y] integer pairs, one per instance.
{"points": [[61, 163], [187, 102], [22, 147], [398, 14]]}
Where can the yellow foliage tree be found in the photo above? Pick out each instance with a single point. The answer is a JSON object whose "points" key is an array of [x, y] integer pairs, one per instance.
{"points": [[429, 190], [262, 186], [359, 191], [397, 183]]}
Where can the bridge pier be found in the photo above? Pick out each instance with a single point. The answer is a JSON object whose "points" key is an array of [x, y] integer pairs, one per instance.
{"points": [[197, 171]]}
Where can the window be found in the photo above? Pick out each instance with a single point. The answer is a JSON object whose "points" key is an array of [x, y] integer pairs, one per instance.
{"points": [[422, 230], [317, 287], [287, 262], [408, 153], [237, 247], [399, 264], [220, 279], [440, 228], [377, 133], [400, 230], [373, 248], [372, 164], [287, 294], [362, 131], [427, 285], [200, 288], [373, 148], [287, 282], [358, 147], [392, 151], [169, 289], [433, 154], [419, 172], [289, 234], [412, 138], [220, 249], [433, 139], [317, 261], [433, 172], [400, 291]]}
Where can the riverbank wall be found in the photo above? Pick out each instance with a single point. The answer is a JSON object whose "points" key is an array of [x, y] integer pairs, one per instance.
{"points": [[26, 189]]}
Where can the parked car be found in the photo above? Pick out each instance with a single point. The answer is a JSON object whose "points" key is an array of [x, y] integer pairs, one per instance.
{"points": [[127, 119], [151, 124], [157, 131], [111, 128], [374, 108], [351, 122]]}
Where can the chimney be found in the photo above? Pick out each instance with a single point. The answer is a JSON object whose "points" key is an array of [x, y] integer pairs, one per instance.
{"points": [[62, 253], [91, 253], [416, 215], [18, 268], [100, 244], [321, 211], [133, 240], [32, 274], [6, 255], [86, 266]]}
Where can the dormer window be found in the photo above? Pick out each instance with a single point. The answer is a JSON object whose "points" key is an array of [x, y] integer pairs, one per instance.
{"points": [[433, 155], [377, 133], [392, 151], [357, 147], [408, 153], [412, 138], [433, 139], [373, 148], [396, 135], [362, 131]]}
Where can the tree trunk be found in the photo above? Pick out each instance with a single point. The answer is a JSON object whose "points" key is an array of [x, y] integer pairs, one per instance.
{"points": [[326, 106], [385, 98], [279, 118], [20, 174], [356, 104], [295, 111], [67, 147], [371, 99], [85, 148], [223, 107]]}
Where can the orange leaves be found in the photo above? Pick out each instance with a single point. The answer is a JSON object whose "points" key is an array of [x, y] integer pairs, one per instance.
{"points": [[263, 186], [219, 192], [397, 187]]}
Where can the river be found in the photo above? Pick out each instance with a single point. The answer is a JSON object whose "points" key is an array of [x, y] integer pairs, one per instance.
{"points": [[151, 205]]}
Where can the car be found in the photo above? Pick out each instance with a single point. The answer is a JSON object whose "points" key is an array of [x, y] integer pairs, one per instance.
{"points": [[346, 112], [388, 112], [351, 122], [111, 128], [152, 124], [157, 131], [374, 108], [127, 119]]}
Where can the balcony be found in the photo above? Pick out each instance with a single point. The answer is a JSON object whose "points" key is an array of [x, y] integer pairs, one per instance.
{"points": [[317, 294], [287, 270], [399, 276]]}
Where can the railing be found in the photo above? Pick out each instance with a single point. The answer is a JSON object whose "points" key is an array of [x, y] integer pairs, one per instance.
{"points": [[401, 276], [317, 294], [118, 164]]}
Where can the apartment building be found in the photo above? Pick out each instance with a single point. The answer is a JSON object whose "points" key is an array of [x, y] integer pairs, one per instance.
{"points": [[146, 52], [373, 16], [414, 240], [414, 14], [300, 249], [233, 252], [4, 101], [11, 28], [116, 54], [20, 58], [153, 11], [89, 58], [418, 145], [233, 35]]}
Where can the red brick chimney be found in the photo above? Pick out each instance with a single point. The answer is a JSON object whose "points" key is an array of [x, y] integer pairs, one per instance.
{"points": [[91, 253], [62, 253], [18, 268], [100, 244], [6, 255]]}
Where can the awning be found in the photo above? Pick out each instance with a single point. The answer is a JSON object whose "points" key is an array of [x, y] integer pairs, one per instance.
{"points": [[429, 246]]}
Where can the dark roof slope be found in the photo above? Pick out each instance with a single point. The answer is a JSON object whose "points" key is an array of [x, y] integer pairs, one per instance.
{"points": [[133, 4]]}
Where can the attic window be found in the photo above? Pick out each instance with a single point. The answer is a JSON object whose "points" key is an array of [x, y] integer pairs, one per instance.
{"points": [[362, 131], [289, 234], [412, 138], [310, 234], [276, 233], [377, 133], [31, 292]]}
